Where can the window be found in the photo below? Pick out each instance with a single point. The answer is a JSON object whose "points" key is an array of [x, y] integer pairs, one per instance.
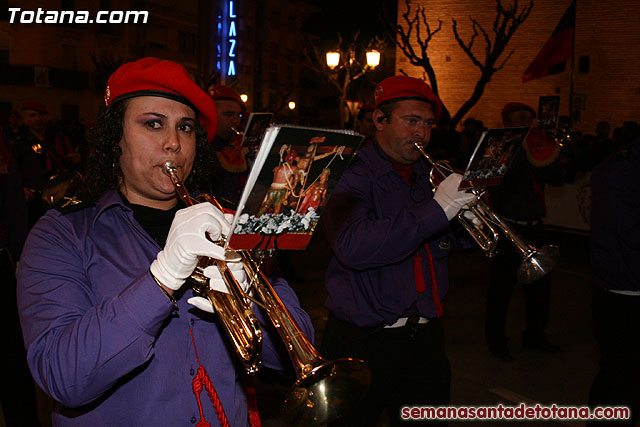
{"points": [[583, 64], [187, 43], [69, 57], [275, 18]]}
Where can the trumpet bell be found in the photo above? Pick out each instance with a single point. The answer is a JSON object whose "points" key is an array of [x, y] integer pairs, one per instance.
{"points": [[327, 392], [538, 263]]}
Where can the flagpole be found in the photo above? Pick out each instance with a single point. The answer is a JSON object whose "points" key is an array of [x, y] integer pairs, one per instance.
{"points": [[573, 55]]}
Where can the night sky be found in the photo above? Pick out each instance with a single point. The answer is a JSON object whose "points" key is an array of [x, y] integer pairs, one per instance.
{"points": [[347, 17]]}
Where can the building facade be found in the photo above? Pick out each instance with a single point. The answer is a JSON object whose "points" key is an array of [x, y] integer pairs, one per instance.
{"points": [[65, 64], [606, 72]]}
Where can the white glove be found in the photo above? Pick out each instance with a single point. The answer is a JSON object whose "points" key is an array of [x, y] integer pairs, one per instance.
{"points": [[449, 198], [216, 283], [472, 217], [187, 241]]}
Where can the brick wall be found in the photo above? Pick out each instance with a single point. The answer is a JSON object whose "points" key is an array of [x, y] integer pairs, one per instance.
{"points": [[607, 31]]}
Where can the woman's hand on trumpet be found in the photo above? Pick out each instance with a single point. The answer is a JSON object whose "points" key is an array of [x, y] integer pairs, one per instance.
{"points": [[187, 241], [450, 199], [217, 283]]}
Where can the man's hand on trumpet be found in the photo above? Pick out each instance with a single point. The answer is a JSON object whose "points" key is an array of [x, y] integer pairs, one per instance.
{"points": [[450, 199], [187, 241]]}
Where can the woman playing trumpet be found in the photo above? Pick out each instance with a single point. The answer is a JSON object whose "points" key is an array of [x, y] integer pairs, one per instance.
{"points": [[112, 334]]}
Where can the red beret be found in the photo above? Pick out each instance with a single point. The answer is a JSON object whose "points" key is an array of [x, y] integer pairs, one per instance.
{"points": [[155, 77], [516, 106], [222, 92], [35, 106], [403, 87]]}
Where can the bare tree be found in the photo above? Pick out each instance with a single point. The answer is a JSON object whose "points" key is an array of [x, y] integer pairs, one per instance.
{"points": [[403, 36], [505, 24]]}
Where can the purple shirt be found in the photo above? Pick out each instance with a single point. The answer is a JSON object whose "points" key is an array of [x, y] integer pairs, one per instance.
{"points": [[102, 338], [615, 220], [376, 223]]}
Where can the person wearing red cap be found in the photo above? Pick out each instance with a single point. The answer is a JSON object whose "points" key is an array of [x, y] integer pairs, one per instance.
{"points": [[519, 200], [230, 177], [388, 272], [112, 334]]}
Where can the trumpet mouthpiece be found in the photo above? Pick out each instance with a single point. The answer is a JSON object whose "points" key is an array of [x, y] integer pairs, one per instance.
{"points": [[168, 166]]}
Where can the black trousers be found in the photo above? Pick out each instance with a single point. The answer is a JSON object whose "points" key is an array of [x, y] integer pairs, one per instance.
{"points": [[617, 329], [17, 391], [503, 270], [409, 367]]}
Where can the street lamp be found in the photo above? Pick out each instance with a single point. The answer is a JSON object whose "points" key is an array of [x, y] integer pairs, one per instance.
{"points": [[333, 59], [373, 58], [244, 97], [292, 105], [344, 73]]}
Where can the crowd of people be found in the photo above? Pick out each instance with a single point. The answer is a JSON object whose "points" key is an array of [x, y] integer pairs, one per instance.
{"points": [[109, 330]]}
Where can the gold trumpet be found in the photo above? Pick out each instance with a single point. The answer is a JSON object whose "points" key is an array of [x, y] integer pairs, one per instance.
{"points": [[324, 390], [536, 263]]}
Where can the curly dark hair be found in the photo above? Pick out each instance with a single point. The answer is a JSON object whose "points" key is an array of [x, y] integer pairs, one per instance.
{"points": [[104, 158]]}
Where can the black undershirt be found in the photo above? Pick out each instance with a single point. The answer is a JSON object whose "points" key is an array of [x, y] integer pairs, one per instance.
{"points": [[156, 222]]}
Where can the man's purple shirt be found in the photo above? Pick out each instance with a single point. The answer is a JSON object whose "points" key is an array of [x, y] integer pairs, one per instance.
{"points": [[376, 223]]}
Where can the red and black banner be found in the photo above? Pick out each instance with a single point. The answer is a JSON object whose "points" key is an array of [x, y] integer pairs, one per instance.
{"points": [[553, 56]]}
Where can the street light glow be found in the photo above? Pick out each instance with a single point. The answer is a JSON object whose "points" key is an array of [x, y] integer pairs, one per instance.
{"points": [[373, 58], [333, 59], [292, 105], [244, 97]]}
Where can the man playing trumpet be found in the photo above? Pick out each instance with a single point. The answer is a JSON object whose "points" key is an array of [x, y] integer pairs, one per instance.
{"points": [[388, 272]]}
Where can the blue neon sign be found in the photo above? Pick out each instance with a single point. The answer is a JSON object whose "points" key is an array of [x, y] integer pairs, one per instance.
{"points": [[232, 39]]}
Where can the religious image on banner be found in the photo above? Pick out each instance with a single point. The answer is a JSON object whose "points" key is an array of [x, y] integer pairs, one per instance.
{"points": [[294, 173], [492, 157], [548, 110]]}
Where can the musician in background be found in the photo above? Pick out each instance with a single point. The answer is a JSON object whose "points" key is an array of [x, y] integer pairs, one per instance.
{"points": [[365, 125], [615, 264], [519, 200], [39, 155], [388, 272], [230, 174], [112, 333]]}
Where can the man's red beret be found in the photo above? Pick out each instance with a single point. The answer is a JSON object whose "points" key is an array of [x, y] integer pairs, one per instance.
{"points": [[35, 106], [221, 92], [403, 87], [155, 77], [516, 106]]}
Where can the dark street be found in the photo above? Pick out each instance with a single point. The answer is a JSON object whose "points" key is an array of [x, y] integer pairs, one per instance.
{"points": [[478, 378]]}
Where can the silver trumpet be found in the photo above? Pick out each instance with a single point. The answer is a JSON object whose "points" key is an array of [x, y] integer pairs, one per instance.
{"points": [[536, 263], [324, 390]]}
